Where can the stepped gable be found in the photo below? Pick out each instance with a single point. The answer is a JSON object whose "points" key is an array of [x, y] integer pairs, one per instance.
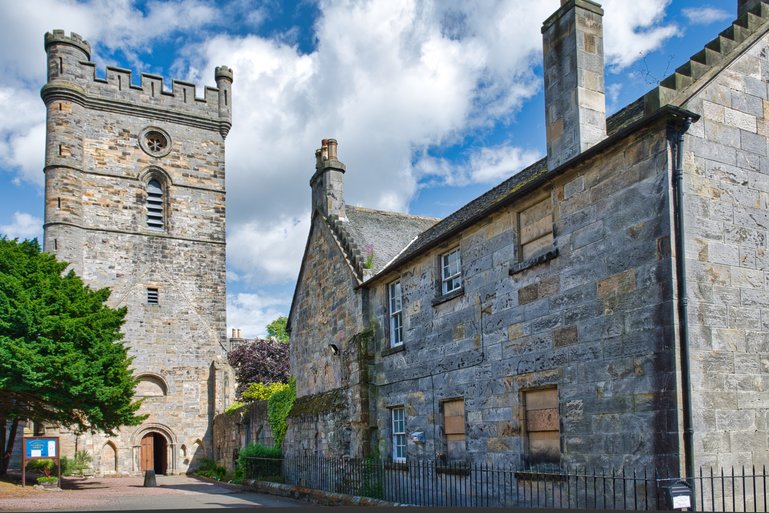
{"points": [[377, 234], [677, 88]]}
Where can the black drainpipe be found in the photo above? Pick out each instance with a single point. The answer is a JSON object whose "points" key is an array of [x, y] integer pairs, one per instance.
{"points": [[677, 141]]}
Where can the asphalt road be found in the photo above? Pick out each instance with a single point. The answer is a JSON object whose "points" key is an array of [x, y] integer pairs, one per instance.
{"points": [[128, 493]]}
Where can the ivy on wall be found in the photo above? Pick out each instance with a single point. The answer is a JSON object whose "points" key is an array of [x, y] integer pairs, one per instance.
{"points": [[278, 406]]}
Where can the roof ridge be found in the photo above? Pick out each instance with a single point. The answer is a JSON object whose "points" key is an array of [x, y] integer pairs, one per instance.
{"points": [[392, 213]]}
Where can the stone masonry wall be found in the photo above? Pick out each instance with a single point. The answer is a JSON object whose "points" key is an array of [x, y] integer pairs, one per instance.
{"points": [[727, 218], [327, 310], [97, 169], [234, 430], [596, 321]]}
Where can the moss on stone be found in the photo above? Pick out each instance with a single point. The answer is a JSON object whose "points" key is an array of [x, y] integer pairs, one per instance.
{"points": [[325, 402]]}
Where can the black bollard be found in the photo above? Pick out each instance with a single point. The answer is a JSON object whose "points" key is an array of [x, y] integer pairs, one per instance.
{"points": [[149, 478]]}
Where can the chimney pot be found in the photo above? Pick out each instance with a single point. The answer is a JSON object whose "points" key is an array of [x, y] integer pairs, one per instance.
{"points": [[327, 182], [238, 332], [233, 332]]}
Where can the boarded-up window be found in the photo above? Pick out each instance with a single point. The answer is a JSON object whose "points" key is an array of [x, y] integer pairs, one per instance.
{"points": [[454, 428], [536, 228], [542, 426]]}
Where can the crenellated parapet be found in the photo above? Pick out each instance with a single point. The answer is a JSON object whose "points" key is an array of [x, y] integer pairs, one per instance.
{"points": [[72, 77]]}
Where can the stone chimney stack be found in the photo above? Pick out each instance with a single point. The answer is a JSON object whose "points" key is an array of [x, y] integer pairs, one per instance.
{"points": [[575, 103], [327, 182], [744, 6]]}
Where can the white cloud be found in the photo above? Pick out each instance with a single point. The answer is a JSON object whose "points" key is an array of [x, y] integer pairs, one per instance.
{"points": [[389, 79], [266, 252], [631, 33], [485, 165], [251, 313], [705, 15], [111, 24], [24, 226], [22, 133]]}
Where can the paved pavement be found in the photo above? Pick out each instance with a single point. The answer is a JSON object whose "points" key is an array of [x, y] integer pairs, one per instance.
{"points": [[128, 493]]}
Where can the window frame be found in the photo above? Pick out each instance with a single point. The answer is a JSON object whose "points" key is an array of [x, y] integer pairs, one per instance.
{"points": [[444, 265], [398, 433], [395, 316]]}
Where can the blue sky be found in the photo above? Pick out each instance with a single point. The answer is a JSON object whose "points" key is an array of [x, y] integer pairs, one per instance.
{"points": [[432, 102]]}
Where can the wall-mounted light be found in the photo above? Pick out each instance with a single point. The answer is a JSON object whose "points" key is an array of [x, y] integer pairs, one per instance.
{"points": [[333, 348], [418, 437]]}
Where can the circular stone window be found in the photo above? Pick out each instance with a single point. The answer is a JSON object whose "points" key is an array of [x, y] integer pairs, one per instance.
{"points": [[155, 141]]}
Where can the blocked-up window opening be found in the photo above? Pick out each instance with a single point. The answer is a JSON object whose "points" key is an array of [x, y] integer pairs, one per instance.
{"points": [[536, 228], [543, 436], [454, 429]]}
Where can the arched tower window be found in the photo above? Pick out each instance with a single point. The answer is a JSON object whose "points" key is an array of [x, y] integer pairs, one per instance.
{"points": [[155, 205]]}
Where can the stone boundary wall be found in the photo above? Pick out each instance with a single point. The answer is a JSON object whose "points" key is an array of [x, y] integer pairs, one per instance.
{"points": [[234, 430]]}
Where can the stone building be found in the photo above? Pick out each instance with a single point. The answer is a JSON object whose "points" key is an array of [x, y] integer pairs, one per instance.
{"points": [[135, 201], [606, 306]]}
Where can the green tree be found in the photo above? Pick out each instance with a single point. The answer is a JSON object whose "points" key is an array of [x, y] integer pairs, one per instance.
{"points": [[277, 329], [61, 356]]}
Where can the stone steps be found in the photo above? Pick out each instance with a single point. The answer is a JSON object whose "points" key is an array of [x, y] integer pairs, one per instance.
{"points": [[703, 61]]}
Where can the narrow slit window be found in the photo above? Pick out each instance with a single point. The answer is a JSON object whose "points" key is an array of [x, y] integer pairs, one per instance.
{"points": [[152, 296], [155, 205]]}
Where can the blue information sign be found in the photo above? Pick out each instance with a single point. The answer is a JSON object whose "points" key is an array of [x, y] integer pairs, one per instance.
{"points": [[41, 448]]}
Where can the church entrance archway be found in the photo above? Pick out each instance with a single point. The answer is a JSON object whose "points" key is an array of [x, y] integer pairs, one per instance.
{"points": [[154, 453]]}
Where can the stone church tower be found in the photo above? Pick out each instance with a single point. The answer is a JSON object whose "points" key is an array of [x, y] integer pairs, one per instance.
{"points": [[135, 201]]}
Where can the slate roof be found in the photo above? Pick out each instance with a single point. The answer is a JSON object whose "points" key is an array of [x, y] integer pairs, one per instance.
{"points": [[377, 233]]}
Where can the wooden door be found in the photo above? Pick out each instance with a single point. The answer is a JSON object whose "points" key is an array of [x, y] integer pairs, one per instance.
{"points": [[147, 453]]}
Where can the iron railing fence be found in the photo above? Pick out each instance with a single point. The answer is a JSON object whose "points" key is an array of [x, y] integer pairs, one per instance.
{"points": [[427, 483]]}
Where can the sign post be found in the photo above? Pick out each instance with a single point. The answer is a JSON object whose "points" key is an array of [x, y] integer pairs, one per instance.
{"points": [[38, 448]]}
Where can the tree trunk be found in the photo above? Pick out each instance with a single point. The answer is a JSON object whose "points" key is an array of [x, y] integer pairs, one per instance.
{"points": [[7, 443]]}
